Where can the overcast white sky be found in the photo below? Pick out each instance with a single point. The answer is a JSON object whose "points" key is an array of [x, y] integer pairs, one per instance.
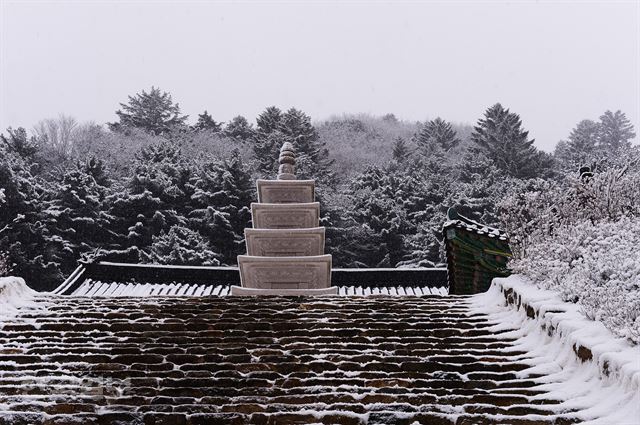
{"points": [[554, 63]]}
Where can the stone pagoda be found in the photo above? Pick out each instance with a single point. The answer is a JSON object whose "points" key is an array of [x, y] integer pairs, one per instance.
{"points": [[285, 247]]}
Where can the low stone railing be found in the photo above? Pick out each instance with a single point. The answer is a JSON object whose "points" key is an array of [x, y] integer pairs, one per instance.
{"points": [[591, 343]]}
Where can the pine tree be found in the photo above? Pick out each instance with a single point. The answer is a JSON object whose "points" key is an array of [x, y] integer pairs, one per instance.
{"points": [[616, 132], [182, 246], [400, 150], [382, 219], [267, 141], [479, 188], [19, 143], [97, 169], [387, 206], [162, 170], [501, 138], [24, 232], [390, 118], [294, 126], [437, 134], [223, 193], [312, 159], [207, 123], [216, 229], [152, 111], [76, 215], [266, 150], [156, 197], [580, 147], [239, 129], [269, 120], [5, 264]]}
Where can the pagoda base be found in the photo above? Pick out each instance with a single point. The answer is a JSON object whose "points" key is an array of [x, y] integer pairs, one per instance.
{"points": [[241, 291]]}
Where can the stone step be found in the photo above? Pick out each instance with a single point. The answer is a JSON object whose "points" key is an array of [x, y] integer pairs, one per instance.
{"points": [[266, 360], [285, 418], [262, 356], [49, 327]]}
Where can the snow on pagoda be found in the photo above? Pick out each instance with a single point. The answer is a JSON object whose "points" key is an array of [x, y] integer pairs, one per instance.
{"points": [[286, 244]]}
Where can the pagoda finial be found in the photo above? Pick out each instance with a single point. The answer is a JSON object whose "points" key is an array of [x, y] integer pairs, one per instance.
{"points": [[287, 162]]}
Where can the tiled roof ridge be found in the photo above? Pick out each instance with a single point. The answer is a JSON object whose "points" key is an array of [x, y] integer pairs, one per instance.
{"points": [[455, 219]]}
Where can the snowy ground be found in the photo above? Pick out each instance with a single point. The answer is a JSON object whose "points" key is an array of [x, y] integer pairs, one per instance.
{"points": [[582, 362]]}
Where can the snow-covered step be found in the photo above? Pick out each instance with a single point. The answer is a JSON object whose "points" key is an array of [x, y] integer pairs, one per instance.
{"points": [[218, 359]]}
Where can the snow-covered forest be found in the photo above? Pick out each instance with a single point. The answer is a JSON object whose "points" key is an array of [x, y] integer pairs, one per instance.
{"points": [[157, 186]]}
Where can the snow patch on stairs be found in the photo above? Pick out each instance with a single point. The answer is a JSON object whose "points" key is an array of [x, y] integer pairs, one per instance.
{"points": [[582, 362], [15, 295]]}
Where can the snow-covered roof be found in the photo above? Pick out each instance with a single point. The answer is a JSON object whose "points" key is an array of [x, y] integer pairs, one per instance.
{"points": [[480, 229], [91, 288], [459, 221], [141, 280]]}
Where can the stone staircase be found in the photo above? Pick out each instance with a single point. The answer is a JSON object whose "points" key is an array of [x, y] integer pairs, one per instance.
{"points": [[286, 244], [263, 360]]}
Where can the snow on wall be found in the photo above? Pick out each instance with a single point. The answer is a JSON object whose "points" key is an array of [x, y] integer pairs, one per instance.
{"points": [[14, 295], [583, 362]]}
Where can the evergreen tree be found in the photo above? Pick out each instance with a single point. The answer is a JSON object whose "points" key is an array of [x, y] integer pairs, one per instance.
{"points": [[390, 118], [266, 150], [478, 187], [76, 215], [19, 143], [24, 232], [182, 246], [223, 193], [312, 155], [501, 138], [269, 120], [426, 201], [376, 209], [97, 169], [437, 134], [239, 129], [152, 111], [580, 147], [157, 196], [5, 264], [162, 170], [206, 122], [294, 126], [392, 210], [400, 150], [616, 132], [267, 141], [216, 229]]}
